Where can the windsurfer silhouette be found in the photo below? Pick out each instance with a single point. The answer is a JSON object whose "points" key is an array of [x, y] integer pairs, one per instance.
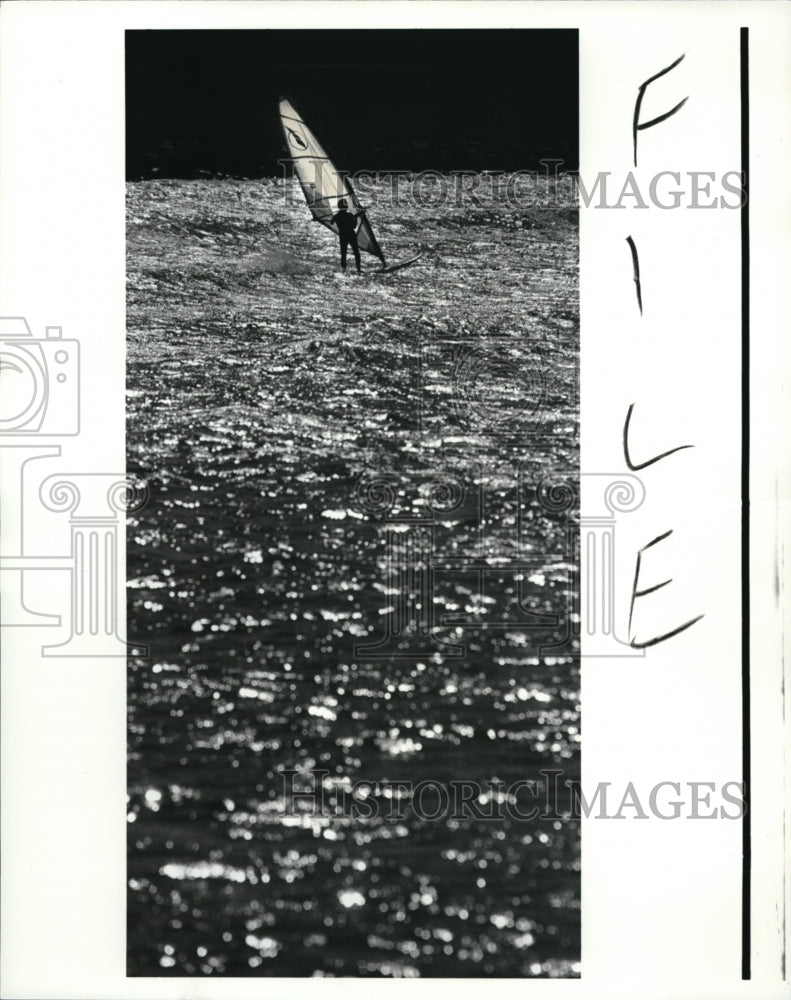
{"points": [[347, 231]]}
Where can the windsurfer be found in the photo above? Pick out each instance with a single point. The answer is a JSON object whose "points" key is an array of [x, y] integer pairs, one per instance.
{"points": [[347, 225]]}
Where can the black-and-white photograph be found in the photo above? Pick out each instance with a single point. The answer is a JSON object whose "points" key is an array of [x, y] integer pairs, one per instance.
{"points": [[381, 385], [354, 736]]}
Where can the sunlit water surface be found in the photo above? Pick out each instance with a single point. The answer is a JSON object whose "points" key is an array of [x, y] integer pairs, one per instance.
{"points": [[266, 392]]}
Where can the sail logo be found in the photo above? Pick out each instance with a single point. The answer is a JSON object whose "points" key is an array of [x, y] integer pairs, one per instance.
{"points": [[296, 139]]}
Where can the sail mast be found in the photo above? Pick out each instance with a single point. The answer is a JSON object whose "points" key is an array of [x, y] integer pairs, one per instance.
{"points": [[322, 184]]}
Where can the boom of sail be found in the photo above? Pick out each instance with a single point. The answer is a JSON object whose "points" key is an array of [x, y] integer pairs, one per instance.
{"points": [[322, 184]]}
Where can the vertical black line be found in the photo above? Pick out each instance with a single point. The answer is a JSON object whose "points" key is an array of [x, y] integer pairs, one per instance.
{"points": [[745, 497]]}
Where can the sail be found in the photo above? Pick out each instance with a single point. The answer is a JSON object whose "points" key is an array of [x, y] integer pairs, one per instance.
{"points": [[321, 183]]}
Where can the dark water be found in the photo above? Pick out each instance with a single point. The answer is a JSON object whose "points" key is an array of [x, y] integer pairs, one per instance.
{"points": [[302, 434]]}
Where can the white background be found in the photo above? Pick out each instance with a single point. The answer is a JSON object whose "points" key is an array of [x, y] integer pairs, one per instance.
{"points": [[661, 900]]}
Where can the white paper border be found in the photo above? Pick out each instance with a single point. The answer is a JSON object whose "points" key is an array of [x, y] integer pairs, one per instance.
{"points": [[63, 722]]}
